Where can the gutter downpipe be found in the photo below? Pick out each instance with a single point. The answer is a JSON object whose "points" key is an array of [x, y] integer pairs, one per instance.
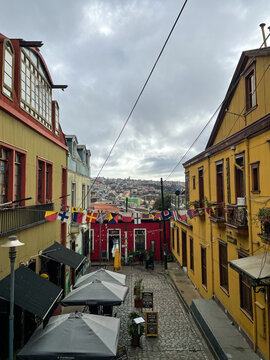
{"points": [[251, 244], [211, 240]]}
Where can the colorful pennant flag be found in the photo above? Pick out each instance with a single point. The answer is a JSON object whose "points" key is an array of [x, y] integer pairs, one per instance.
{"points": [[166, 215], [208, 210], [91, 217], [191, 213], [74, 209], [174, 215], [145, 215], [183, 217], [137, 218], [63, 216], [126, 217], [158, 215], [101, 217], [51, 215], [113, 218], [78, 217]]}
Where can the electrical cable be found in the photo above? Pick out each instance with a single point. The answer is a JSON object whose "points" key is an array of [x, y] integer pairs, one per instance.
{"points": [[225, 99], [140, 94]]}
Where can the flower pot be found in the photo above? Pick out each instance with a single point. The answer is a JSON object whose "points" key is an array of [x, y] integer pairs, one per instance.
{"points": [[135, 341], [138, 303]]}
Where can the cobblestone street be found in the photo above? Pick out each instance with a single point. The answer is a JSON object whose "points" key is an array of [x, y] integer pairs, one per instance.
{"points": [[179, 337]]}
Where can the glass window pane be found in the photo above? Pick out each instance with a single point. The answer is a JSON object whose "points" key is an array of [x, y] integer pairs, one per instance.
{"points": [[7, 80], [8, 57]]}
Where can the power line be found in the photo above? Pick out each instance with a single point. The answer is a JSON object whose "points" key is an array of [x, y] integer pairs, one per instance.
{"points": [[143, 88], [140, 94], [225, 99]]}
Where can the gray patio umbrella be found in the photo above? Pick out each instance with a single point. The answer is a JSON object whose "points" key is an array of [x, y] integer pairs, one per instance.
{"points": [[96, 293], [103, 275], [74, 336]]}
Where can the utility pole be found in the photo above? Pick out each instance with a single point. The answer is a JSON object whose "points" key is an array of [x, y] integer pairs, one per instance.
{"points": [[164, 228]]}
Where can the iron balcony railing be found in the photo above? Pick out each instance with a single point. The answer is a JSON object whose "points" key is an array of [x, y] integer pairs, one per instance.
{"points": [[237, 216], [15, 219], [217, 213]]}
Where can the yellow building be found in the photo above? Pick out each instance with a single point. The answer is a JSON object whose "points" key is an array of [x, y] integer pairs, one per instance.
{"points": [[33, 180], [225, 246]]}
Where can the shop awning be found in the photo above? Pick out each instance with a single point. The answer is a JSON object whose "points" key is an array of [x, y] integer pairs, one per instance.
{"points": [[31, 292], [61, 254], [256, 267]]}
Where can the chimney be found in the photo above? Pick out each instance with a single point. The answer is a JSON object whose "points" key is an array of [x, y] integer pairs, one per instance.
{"points": [[263, 34]]}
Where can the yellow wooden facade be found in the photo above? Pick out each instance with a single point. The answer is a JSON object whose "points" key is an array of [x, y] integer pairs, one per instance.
{"points": [[241, 131]]}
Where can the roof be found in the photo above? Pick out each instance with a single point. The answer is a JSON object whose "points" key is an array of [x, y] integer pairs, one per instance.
{"points": [[256, 267], [246, 55], [61, 254], [104, 207], [31, 292]]}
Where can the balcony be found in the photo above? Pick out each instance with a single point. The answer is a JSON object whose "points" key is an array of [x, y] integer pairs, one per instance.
{"points": [[236, 218], [217, 214], [16, 219], [264, 217]]}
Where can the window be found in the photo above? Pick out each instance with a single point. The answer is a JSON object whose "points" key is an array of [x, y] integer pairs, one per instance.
{"points": [[184, 248], [178, 241], [12, 174], [220, 188], [250, 90], [203, 265], [187, 187], [191, 253], [172, 232], [36, 92], [44, 178], [8, 70], [88, 197], [255, 177], [201, 187], [245, 292], [223, 266], [83, 196], [239, 176], [56, 116], [139, 239], [193, 182], [73, 194], [91, 233], [228, 180]]}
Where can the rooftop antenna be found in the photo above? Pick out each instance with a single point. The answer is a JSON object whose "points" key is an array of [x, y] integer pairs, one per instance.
{"points": [[262, 25]]}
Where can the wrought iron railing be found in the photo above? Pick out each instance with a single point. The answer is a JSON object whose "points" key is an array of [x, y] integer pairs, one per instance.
{"points": [[237, 215], [15, 219], [217, 212]]}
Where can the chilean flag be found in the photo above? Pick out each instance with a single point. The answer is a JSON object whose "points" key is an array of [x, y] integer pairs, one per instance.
{"points": [[126, 217]]}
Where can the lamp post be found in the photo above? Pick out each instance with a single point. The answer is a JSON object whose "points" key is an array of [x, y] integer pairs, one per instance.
{"points": [[11, 243]]}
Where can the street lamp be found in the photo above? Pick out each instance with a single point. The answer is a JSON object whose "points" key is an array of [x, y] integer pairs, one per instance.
{"points": [[11, 243]]}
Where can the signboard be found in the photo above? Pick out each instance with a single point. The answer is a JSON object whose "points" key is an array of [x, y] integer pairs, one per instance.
{"points": [[147, 300], [151, 323]]}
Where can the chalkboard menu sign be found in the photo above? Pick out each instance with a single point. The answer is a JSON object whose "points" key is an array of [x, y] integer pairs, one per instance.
{"points": [[151, 323], [147, 300]]}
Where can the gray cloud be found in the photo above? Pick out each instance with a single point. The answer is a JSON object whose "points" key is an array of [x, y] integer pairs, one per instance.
{"points": [[104, 51]]}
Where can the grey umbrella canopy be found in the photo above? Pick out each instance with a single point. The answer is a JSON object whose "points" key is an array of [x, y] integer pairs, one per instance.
{"points": [[74, 336], [103, 275], [96, 293]]}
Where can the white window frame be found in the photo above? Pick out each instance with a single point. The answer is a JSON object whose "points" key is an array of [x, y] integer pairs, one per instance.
{"points": [[6, 89]]}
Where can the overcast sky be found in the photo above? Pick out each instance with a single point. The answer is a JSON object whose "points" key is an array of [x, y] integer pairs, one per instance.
{"points": [[104, 50]]}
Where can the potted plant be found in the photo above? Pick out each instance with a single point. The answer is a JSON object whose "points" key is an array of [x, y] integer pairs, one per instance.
{"points": [[135, 330], [138, 288]]}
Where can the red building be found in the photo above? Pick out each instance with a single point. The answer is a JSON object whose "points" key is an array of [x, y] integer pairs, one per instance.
{"points": [[140, 237]]}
